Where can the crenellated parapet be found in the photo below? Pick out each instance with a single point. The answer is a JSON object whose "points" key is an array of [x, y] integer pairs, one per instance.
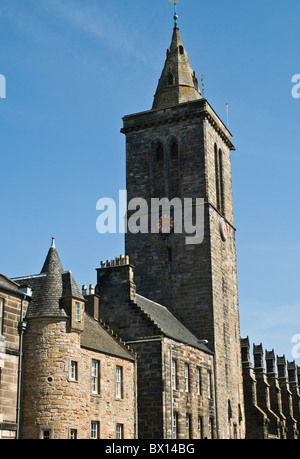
{"points": [[272, 398]]}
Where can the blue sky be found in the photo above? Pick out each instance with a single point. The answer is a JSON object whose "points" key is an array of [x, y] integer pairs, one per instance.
{"points": [[74, 68]]}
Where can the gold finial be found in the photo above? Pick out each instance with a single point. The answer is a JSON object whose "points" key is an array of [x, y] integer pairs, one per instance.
{"points": [[175, 17]]}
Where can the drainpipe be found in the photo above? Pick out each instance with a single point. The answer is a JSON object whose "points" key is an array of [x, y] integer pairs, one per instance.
{"points": [[22, 325], [136, 403]]}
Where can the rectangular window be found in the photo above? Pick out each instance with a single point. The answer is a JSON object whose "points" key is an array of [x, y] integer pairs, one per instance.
{"points": [[78, 312], [120, 432], [73, 434], [211, 424], [188, 426], [95, 377], [200, 428], [119, 382], [209, 384], [174, 374], [198, 381], [74, 371], [175, 426], [1, 315], [46, 434], [95, 430], [187, 377]]}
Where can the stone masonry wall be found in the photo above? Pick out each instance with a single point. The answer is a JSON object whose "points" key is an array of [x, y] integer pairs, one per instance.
{"points": [[52, 401], [197, 282], [9, 360]]}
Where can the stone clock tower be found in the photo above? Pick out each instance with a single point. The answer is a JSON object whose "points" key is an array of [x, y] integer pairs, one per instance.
{"points": [[181, 149]]}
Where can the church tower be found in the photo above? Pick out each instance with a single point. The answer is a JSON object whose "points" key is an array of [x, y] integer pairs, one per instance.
{"points": [[181, 149]]}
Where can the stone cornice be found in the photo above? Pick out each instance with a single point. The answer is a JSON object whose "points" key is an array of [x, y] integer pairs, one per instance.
{"points": [[194, 111]]}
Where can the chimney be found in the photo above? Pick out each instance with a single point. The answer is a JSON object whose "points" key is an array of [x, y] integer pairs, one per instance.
{"points": [[115, 284], [92, 301]]}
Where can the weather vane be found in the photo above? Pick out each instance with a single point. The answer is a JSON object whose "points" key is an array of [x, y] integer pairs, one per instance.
{"points": [[175, 2]]}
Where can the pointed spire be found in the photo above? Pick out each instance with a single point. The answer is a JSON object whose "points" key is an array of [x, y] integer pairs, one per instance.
{"points": [[178, 82], [52, 263]]}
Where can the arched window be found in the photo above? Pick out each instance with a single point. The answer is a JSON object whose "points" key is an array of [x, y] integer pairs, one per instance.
{"points": [[159, 151], [170, 78], [174, 170], [174, 149], [218, 201], [159, 170], [181, 50], [220, 197]]}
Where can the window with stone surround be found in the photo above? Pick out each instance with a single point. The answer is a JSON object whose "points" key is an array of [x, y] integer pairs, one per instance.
{"points": [[175, 426], [95, 430], [159, 151], [77, 312], [209, 385], [73, 434], [174, 374], [198, 381], [187, 377], [188, 426], [46, 433], [200, 427], [174, 173], [73, 370], [221, 181], [159, 169], [220, 200], [120, 432], [95, 377], [119, 382]]}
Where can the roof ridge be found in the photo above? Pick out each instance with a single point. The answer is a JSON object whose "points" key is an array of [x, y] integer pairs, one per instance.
{"points": [[33, 276]]}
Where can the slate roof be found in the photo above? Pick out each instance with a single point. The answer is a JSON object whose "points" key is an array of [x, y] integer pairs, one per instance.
{"points": [[97, 338], [50, 287], [169, 323], [8, 284]]}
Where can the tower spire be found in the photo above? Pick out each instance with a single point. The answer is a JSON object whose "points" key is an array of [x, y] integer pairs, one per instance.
{"points": [[178, 82]]}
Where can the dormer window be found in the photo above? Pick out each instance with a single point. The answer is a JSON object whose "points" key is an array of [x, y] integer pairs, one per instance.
{"points": [[181, 50], [77, 312]]}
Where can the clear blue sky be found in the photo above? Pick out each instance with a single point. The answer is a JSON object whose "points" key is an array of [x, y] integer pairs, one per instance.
{"points": [[74, 68]]}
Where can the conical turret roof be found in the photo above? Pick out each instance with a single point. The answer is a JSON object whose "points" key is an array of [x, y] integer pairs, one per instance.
{"points": [[50, 287], [178, 82]]}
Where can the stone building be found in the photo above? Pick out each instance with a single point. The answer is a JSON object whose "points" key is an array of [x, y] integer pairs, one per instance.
{"points": [[272, 399], [158, 337], [180, 151], [154, 351], [78, 379], [12, 302]]}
